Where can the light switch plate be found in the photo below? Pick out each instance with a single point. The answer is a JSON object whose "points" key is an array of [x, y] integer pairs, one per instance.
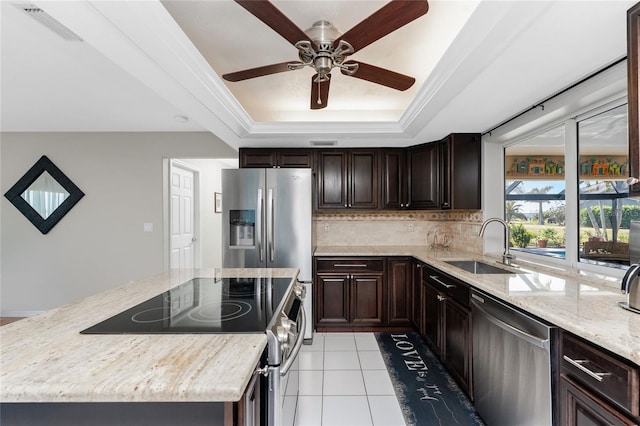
{"points": [[148, 227]]}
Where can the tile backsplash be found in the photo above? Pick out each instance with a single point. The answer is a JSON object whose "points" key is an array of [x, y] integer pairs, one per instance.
{"points": [[457, 228]]}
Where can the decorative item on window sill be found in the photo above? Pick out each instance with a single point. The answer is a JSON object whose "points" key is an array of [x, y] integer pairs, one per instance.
{"points": [[44, 195], [592, 167]]}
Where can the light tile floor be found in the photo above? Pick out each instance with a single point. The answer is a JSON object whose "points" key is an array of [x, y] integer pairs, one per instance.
{"points": [[344, 382]]}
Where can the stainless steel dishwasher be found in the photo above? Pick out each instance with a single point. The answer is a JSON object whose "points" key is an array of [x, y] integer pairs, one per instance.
{"points": [[512, 364]]}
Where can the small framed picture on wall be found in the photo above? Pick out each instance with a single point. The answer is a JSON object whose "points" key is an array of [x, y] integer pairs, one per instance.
{"points": [[218, 202]]}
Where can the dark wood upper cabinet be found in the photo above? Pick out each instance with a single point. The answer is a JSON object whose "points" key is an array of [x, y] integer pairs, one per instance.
{"points": [[394, 179], [461, 174], [633, 35], [423, 176], [445, 174], [277, 157], [348, 179]]}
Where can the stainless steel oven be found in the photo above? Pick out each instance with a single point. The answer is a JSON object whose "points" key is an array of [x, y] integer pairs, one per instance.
{"points": [[284, 340]]}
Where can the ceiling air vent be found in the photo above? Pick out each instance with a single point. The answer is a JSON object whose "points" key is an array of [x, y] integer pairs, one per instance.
{"points": [[323, 143], [48, 21]]}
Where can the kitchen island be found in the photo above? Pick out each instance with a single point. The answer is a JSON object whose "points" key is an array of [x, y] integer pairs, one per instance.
{"points": [[45, 359], [584, 304]]}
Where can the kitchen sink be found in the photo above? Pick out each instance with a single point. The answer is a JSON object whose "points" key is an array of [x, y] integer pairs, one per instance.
{"points": [[476, 267]]}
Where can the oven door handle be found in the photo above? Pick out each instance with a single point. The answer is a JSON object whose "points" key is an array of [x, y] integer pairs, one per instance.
{"points": [[284, 369]]}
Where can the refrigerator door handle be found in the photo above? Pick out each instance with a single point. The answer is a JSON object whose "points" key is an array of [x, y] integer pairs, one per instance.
{"points": [[260, 224], [271, 225]]}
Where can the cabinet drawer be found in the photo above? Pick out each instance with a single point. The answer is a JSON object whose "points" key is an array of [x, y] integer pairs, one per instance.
{"points": [[452, 287], [350, 264], [604, 374]]}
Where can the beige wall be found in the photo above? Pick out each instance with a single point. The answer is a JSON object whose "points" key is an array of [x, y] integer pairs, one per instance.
{"points": [[100, 243]]}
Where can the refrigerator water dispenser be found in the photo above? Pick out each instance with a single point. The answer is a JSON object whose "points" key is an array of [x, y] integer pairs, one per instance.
{"points": [[242, 228]]}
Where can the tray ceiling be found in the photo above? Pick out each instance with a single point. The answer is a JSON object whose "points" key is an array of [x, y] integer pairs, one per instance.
{"points": [[142, 63]]}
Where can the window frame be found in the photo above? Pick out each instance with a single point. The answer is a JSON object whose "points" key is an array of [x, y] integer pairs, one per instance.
{"points": [[572, 201]]}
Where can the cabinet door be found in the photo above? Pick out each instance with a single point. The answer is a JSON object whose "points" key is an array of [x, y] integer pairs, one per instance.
{"points": [[633, 82], [432, 317], [460, 159], [295, 158], [579, 407], [363, 180], [399, 287], [423, 176], [258, 158], [457, 343], [394, 179], [332, 180], [417, 310], [366, 299], [332, 299]]}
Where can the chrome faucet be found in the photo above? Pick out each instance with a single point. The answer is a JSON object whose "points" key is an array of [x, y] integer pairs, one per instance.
{"points": [[506, 256]]}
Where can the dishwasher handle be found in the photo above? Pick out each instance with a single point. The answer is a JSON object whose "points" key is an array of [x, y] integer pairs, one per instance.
{"points": [[521, 334]]}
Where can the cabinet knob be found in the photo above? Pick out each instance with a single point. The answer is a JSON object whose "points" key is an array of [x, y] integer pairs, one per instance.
{"points": [[441, 298], [401, 205], [345, 206]]}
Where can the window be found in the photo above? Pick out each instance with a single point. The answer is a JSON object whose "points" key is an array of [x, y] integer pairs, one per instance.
{"points": [[604, 211], [535, 193], [592, 151]]}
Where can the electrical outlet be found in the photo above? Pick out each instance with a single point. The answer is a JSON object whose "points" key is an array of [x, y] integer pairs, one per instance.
{"points": [[326, 227], [411, 227]]}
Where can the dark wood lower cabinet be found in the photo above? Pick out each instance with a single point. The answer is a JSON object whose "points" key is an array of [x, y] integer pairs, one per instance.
{"points": [[457, 343], [399, 291], [447, 327], [596, 386], [333, 299], [366, 299], [349, 292], [579, 407]]}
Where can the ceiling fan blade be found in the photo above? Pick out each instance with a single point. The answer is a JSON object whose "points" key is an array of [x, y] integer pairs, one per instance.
{"points": [[258, 72], [381, 76], [320, 92], [390, 17], [275, 19]]}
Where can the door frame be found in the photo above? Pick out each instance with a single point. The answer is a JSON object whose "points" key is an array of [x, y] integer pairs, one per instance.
{"points": [[167, 164]]}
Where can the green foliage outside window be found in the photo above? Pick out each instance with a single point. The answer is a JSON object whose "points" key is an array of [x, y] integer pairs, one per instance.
{"points": [[520, 237], [629, 213]]}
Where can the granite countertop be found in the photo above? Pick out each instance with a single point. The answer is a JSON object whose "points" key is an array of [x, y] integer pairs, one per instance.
{"points": [[584, 304], [46, 359]]}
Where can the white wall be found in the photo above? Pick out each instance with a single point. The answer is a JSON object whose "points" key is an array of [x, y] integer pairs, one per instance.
{"points": [[100, 243]]}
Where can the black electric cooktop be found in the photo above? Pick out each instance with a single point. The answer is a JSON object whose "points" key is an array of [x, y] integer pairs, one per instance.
{"points": [[203, 305]]}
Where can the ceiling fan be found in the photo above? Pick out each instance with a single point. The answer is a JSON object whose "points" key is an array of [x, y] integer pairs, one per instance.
{"points": [[322, 47]]}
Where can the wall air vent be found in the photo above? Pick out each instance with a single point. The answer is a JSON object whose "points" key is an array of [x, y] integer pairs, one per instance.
{"points": [[323, 143], [48, 21]]}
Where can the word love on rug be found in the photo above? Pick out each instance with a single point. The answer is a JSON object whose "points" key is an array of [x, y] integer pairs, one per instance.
{"points": [[428, 395]]}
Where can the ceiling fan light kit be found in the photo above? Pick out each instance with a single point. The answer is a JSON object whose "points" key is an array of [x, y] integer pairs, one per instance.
{"points": [[322, 47]]}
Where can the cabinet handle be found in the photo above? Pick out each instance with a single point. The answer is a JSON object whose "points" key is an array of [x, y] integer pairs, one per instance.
{"points": [[578, 364], [441, 298], [436, 279], [347, 265]]}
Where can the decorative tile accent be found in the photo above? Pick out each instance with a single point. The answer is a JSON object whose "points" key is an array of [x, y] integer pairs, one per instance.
{"points": [[456, 229]]}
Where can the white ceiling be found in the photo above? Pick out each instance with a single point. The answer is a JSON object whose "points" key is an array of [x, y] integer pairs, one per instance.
{"points": [[136, 68]]}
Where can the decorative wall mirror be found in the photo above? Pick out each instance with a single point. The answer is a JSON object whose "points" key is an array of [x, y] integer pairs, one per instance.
{"points": [[44, 194]]}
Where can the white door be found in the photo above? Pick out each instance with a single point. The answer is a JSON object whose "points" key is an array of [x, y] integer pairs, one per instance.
{"points": [[182, 217]]}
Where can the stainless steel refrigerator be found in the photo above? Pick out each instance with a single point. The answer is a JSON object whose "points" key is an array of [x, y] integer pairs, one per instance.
{"points": [[267, 223]]}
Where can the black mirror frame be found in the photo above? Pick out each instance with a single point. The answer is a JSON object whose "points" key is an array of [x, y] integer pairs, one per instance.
{"points": [[14, 195]]}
